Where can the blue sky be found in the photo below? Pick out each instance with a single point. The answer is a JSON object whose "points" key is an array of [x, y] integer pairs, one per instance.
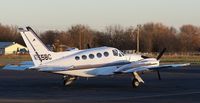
{"points": [[61, 14]]}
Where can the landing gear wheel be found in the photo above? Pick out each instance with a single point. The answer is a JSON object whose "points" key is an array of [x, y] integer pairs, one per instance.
{"points": [[135, 83], [68, 80]]}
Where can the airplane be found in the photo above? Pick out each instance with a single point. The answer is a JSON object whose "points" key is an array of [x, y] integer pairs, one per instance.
{"points": [[92, 62]]}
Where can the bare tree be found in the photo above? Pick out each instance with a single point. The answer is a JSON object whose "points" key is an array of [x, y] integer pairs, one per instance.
{"points": [[81, 36], [153, 37], [190, 38]]}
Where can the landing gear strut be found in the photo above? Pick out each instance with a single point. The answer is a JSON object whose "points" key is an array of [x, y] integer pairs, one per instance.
{"points": [[68, 80], [137, 80]]}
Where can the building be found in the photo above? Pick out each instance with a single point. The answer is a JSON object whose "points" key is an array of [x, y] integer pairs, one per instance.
{"points": [[12, 48]]}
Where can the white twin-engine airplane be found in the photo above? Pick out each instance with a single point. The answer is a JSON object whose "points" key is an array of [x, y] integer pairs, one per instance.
{"points": [[87, 63]]}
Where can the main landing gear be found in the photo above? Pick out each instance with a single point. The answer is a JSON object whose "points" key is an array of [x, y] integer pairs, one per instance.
{"points": [[137, 80], [135, 83], [68, 80]]}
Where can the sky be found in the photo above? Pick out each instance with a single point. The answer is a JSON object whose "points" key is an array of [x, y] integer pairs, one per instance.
{"points": [[61, 14]]}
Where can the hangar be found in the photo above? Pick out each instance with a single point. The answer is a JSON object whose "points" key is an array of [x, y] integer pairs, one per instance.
{"points": [[11, 48]]}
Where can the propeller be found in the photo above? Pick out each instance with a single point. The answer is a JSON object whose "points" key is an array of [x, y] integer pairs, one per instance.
{"points": [[88, 46], [161, 54], [159, 77], [158, 58]]}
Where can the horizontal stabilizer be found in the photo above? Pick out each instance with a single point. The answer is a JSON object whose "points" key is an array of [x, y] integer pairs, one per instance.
{"points": [[27, 63], [16, 67]]}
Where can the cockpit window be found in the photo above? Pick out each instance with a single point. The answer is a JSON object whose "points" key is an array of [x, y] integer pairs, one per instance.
{"points": [[115, 52], [120, 54]]}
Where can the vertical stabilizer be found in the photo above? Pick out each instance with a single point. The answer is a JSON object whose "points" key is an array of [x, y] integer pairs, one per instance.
{"points": [[40, 54]]}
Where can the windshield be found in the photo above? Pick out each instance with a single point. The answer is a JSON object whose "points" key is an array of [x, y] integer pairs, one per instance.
{"points": [[121, 53], [117, 53]]}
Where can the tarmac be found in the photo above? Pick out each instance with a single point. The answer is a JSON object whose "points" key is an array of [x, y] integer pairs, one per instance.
{"points": [[178, 86]]}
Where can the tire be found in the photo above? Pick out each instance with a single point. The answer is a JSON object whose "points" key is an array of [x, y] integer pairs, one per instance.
{"points": [[135, 83], [68, 81]]}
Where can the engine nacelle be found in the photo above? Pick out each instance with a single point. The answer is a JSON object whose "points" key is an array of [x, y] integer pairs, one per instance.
{"points": [[144, 62]]}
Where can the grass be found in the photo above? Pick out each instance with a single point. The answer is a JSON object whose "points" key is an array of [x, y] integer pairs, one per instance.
{"points": [[13, 59], [182, 59], [193, 59]]}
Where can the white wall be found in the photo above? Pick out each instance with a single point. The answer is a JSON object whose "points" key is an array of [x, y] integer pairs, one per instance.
{"points": [[13, 48]]}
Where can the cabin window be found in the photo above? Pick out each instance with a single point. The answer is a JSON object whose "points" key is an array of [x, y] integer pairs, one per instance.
{"points": [[115, 52], [106, 54], [91, 56], [77, 58], [99, 55], [84, 57]]}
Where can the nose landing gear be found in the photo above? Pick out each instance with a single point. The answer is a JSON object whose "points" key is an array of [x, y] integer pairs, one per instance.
{"points": [[68, 80], [137, 80]]}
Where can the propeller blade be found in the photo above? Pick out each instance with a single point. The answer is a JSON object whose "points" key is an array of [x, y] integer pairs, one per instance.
{"points": [[161, 54], [159, 77], [88, 46]]}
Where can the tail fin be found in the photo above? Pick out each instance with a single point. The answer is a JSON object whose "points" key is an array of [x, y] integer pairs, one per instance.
{"points": [[39, 52]]}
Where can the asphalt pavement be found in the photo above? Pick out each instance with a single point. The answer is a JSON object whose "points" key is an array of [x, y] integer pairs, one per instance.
{"points": [[179, 86]]}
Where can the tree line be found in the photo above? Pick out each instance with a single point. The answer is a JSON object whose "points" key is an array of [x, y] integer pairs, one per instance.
{"points": [[153, 37]]}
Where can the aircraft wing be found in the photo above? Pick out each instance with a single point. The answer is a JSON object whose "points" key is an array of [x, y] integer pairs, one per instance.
{"points": [[153, 68]]}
